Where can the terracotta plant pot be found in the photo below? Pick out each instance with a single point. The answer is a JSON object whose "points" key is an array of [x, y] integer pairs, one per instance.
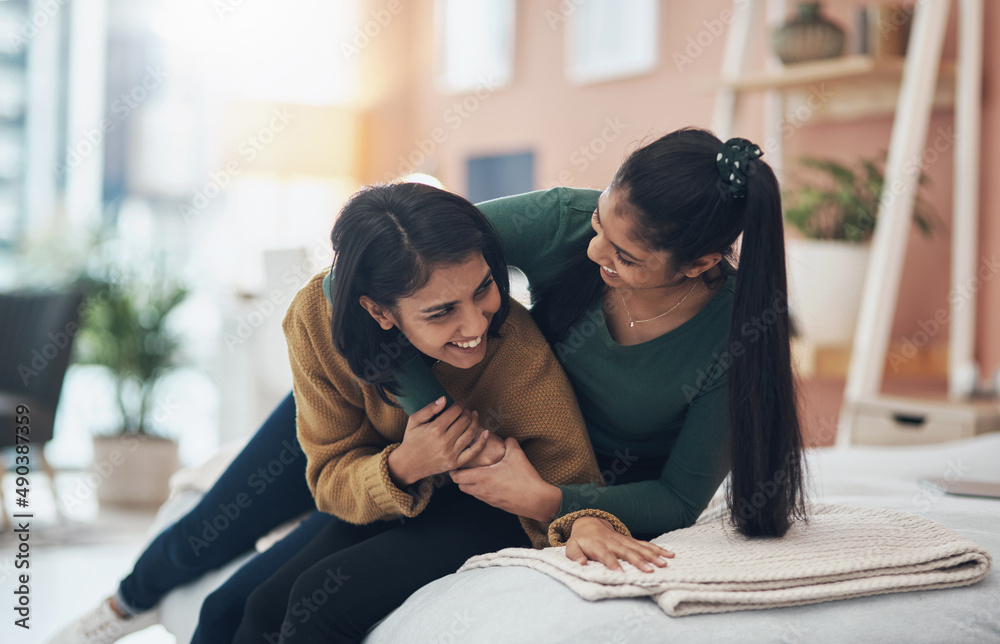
{"points": [[134, 471]]}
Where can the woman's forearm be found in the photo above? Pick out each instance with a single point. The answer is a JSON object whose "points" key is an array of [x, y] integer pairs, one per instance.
{"points": [[549, 502], [400, 470]]}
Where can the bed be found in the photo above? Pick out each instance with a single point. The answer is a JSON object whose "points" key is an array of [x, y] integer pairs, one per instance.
{"points": [[501, 605]]}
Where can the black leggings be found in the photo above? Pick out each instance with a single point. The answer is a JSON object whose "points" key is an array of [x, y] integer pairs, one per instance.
{"points": [[349, 577]]}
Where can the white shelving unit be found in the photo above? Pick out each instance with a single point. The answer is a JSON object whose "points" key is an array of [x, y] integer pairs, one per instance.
{"points": [[917, 84]]}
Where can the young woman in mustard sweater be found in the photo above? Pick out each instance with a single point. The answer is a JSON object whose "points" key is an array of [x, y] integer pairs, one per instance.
{"points": [[418, 271]]}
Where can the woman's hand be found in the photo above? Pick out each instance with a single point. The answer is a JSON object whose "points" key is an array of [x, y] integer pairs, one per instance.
{"points": [[430, 447], [493, 452], [593, 538], [513, 485]]}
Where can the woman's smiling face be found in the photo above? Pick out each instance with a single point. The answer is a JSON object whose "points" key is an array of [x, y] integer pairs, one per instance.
{"points": [[447, 319], [623, 262]]}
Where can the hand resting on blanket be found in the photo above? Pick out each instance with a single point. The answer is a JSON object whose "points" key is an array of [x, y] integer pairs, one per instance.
{"points": [[515, 486], [593, 538]]}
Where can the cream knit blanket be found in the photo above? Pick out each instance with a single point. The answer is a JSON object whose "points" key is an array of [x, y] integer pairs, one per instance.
{"points": [[840, 552]]}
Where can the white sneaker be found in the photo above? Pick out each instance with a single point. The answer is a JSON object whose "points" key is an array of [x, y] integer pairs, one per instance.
{"points": [[103, 625]]}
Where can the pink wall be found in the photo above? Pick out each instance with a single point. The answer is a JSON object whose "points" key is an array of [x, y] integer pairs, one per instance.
{"points": [[988, 335], [580, 134]]}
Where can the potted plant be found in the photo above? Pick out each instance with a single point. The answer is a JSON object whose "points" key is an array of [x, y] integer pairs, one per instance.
{"points": [[125, 329], [835, 218]]}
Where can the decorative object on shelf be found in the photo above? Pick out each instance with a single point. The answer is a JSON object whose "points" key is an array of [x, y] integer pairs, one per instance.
{"points": [[809, 36], [861, 43], [888, 29], [826, 269]]}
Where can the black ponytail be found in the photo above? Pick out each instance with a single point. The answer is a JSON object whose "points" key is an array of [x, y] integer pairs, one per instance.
{"points": [[766, 486], [387, 240]]}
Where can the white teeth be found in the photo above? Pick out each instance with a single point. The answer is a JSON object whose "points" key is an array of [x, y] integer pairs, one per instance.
{"points": [[609, 271], [469, 345]]}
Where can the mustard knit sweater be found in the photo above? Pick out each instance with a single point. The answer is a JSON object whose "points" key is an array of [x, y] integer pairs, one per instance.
{"points": [[347, 432]]}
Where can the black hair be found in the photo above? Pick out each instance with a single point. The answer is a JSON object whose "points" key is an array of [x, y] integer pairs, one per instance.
{"points": [[674, 193], [387, 241]]}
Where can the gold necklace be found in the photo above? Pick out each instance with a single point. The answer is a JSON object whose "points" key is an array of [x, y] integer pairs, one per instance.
{"points": [[632, 323]]}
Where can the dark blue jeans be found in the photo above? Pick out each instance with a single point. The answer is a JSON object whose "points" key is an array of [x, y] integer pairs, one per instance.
{"points": [[263, 487]]}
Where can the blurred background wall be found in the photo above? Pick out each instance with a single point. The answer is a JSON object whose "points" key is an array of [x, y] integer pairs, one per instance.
{"points": [[217, 140]]}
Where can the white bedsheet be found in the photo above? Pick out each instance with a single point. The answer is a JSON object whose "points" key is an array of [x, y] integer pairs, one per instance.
{"points": [[520, 605], [516, 605]]}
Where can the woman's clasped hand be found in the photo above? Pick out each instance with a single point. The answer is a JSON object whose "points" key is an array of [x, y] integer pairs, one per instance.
{"points": [[437, 441]]}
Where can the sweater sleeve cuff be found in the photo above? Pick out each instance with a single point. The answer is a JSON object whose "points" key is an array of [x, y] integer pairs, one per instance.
{"points": [[560, 529], [391, 500]]}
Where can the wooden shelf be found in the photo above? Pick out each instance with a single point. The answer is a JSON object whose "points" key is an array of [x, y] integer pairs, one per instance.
{"points": [[845, 68], [823, 361], [844, 88]]}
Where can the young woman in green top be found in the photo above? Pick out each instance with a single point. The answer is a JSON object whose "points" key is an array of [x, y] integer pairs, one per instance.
{"points": [[681, 364]]}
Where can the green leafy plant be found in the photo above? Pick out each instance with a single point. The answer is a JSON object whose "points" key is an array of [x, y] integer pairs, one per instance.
{"points": [[124, 327], [844, 204]]}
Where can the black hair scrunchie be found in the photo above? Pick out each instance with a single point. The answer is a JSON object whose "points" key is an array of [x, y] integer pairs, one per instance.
{"points": [[733, 160]]}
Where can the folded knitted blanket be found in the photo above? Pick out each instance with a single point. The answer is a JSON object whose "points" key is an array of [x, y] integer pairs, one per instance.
{"points": [[840, 552]]}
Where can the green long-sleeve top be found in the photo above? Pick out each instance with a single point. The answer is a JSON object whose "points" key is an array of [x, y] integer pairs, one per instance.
{"points": [[665, 398]]}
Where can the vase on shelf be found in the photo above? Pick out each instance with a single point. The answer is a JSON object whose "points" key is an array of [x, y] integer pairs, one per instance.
{"points": [[808, 36]]}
